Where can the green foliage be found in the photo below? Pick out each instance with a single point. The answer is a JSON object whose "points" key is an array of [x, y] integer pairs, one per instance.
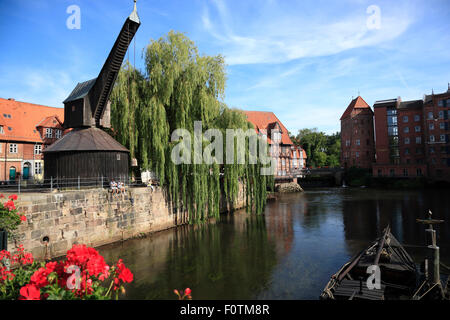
{"points": [[321, 149], [179, 87]]}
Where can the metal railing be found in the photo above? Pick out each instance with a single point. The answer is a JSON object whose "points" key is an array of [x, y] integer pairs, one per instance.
{"points": [[61, 184]]}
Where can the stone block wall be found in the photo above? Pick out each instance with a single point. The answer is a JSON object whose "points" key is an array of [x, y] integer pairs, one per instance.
{"points": [[93, 217]]}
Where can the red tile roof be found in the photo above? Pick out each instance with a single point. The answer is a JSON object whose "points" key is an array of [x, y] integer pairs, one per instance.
{"points": [[357, 103], [23, 117], [264, 120]]}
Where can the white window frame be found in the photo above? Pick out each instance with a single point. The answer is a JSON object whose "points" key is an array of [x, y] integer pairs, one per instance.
{"points": [[432, 138], [418, 140], [13, 148], [48, 133], [37, 149], [58, 133], [37, 167], [442, 137]]}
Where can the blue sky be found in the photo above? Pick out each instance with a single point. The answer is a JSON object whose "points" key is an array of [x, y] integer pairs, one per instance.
{"points": [[303, 60]]}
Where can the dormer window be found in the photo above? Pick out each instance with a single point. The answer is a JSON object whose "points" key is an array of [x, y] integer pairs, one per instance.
{"points": [[48, 132], [1, 130], [58, 133]]}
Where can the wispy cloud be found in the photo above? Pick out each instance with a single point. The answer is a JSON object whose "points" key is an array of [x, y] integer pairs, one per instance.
{"points": [[273, 35]]}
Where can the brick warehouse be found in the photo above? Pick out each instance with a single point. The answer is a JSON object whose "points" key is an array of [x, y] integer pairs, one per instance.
{"points": [[25, 130], [357, 138], [411, 137]]}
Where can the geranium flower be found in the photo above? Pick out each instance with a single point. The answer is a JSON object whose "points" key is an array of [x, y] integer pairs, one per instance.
{"points": [[13, 197], [30, 292]]}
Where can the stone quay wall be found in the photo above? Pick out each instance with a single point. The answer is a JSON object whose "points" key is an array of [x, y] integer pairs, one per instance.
{"points": [[95, 217]]}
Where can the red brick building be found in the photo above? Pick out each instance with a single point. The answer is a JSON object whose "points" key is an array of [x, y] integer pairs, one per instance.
{"points": [[412, 137], [286, 152], [400, 138], [436, 115], [25, 130], [357, 136]]}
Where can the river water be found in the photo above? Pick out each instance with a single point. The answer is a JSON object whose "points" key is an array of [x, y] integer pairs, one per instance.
{"points": [[290, 252]]}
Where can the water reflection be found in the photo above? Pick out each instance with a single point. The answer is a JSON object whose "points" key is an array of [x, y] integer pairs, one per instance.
{"points": [[288, 253]]}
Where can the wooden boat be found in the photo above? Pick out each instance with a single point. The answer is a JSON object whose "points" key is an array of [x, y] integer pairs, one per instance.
{"points": [[398, 273]]}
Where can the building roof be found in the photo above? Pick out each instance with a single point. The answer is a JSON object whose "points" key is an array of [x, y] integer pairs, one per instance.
{"points": [[80, 90], [86, 139], [412, 104], [429, 97], [24, 117], [357, 103], [387, 103], [266, 120]]}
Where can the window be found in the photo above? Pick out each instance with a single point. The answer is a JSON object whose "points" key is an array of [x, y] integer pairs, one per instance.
{"points": [[416, 117], [379, 172], [406, 140], [441, 114], [12, 148], [418, 140], [37, 148], [58, 133], [431, 138], [407, 151], [433, 160], [1, 130], [347, 143], [118, 156], [419, 172], [392, 120], [442, 125], [405, 118], [48, 132], [406, 130], [442, 137], [357, 154], [392, 172], [417, 128], [430, 115], [358, 142], [441, 103], [405, 172], [37, 167], [431, 150], [418, 150], [431, 126], [392, 131]]}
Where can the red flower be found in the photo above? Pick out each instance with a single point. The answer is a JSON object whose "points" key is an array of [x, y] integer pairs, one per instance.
{"points": [[10, 205], [187, 291], [30, 292], [13, 197], [126, 275], [23, 218]]}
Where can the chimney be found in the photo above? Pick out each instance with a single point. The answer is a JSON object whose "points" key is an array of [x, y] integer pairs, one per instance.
{"points": [[11, 99]]}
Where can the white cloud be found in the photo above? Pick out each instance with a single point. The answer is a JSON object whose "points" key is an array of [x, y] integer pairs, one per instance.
{"points": [[277, 36]]}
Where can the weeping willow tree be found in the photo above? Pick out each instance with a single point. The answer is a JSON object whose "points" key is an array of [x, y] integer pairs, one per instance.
{"points": [[178, 88]]}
